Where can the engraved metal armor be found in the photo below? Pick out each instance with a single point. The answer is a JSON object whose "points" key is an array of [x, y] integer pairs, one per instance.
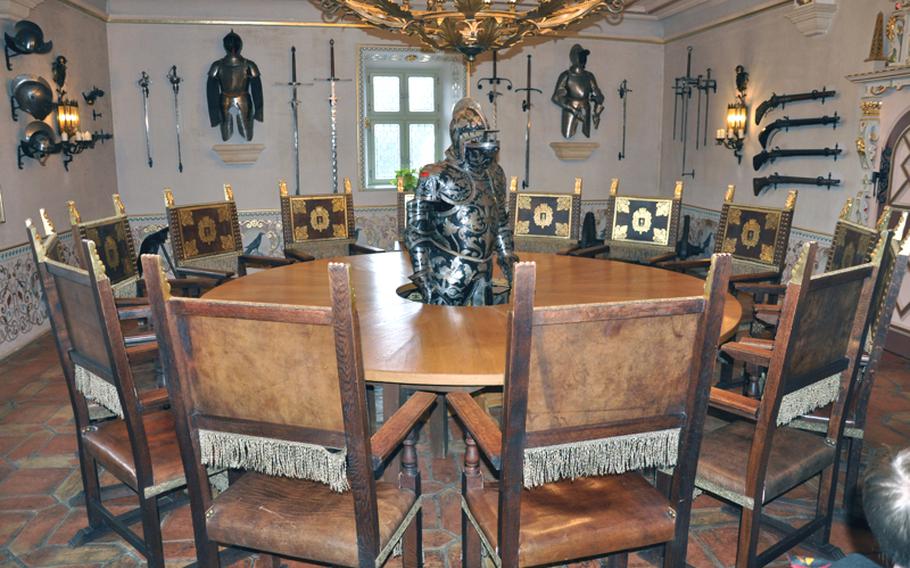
{"points": [[458, 219], [234, 82], [578, 95]]}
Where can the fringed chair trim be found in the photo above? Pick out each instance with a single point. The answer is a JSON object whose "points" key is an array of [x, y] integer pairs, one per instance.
{"points": [[704, 485], [323, 248], [126, 289], [226, 262], [394, 546], [98, 390], [606, 456], [491, 552], [808, 398], [275, 457]]}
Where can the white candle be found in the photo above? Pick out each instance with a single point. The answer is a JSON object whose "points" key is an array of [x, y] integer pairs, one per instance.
{"points": [[64, 137]]}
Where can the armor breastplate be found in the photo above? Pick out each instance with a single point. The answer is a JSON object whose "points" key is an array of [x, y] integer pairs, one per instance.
{"points": [[233, 78], [466, 215]]}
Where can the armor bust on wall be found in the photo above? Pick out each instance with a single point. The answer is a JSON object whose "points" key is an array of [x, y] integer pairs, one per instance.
{"points": [[458, 219], [578, 95], [234, 82]]}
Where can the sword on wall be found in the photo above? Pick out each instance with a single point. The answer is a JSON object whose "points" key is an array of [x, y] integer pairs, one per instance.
{"points": [[144, 83], [494, 93], [175, 85], [295, 105], [333, 113], [526, 107]]}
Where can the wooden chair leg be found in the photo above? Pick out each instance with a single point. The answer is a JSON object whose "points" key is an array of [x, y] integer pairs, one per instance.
{"points": [[151, 531], [391, 401], [471, 477], [747, 545], [620, 560], [91, 487], [851, 482], [827, 487], [412, 540], [439, 428]]}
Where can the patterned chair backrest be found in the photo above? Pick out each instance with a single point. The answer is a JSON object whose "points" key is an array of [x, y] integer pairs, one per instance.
{"points": [[402, 199], [643, 220], [544, 221], [852, 243], [205, 235], [757, 237], [322, 225], [114, 243]]}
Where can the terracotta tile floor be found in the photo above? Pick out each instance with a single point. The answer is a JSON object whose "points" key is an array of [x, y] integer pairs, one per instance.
{"points": [[40, 509]]}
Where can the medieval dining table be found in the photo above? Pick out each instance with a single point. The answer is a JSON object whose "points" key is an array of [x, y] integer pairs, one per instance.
{"points": [[444, 348]]}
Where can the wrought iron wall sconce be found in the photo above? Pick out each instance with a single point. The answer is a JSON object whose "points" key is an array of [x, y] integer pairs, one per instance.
{"points": [[27, 38], [67, 118], [733, 135], [78, 144]]}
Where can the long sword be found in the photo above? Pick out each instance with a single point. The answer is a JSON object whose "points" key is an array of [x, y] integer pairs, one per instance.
{"points": [[175, 85], [144, 83], [494, 93], [333, 113], [623, 91], [526, 107], [295, 105]]}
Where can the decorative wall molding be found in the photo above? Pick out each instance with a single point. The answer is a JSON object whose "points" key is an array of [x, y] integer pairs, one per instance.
{"points": [[238, 154], [16, 9], [813, 17]]}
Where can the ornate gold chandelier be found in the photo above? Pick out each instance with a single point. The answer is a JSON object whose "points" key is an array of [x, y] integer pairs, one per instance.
{"points": [[471, 26]]}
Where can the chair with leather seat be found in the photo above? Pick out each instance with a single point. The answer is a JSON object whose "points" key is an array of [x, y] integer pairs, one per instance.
{"points": [[402, 198], [545, 221], [293, 422], [639, 229], [812, 362], [206, 240], [757, 237], [578, 423], [319, 226], [138, 446]]}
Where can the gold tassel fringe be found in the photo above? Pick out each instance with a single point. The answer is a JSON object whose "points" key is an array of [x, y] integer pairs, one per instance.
{"points": [[275, 457], [98, 390], [808, 398], [605, 456]]}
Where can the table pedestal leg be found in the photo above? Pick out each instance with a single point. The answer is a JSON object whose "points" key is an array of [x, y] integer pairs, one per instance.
{"points": [[439, 428]]}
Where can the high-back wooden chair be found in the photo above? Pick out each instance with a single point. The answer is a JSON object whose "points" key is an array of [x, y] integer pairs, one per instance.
{"points": [[295, 421], [319, 226], [578, 422], [853, 243], [543, 221], [812, 362], [139, 446], [756, 237], [114, 243], [402, 198], [639, 229], [51, 244], [206, 239]]}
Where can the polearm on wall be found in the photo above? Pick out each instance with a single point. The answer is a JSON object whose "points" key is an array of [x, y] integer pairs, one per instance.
{"points": [[333, 113]]}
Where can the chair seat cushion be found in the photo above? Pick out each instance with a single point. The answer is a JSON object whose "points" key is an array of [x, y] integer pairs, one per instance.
{"points": [[795, 457], [109, 443], [299, 518], [575, 519]]}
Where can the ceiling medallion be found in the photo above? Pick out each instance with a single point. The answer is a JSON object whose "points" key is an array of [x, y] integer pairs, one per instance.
{"points": [[472, 26]]}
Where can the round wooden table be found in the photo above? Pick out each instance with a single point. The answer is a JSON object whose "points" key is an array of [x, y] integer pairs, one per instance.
{"points": [[406, 342]]}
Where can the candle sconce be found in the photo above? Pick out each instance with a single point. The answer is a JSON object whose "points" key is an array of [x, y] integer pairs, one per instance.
{"points": [[733, 136], [79, 143], [67, 118], [27, 38]]}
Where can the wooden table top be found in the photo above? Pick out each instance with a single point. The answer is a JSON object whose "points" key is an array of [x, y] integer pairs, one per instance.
{"points": [[407, 342]]}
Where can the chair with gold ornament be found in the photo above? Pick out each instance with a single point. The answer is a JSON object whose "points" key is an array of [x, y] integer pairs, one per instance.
{"points": [[545, 222], [402, 198], [639, 229], [756, 237], [319, 226], [206, 239]]}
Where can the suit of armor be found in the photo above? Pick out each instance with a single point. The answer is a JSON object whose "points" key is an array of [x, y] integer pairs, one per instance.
{"points": [[234, 82], [458, 219], [578, 95]]}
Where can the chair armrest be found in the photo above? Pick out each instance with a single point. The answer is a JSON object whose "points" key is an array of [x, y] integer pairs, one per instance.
{"points": [[134, 312], [355, 248], [591, 252], [685, 264], [479, 424], [768, 309], [219, 275], [760, 288], [192, 286], [130, 302], [757, 342], [568, 250], [142, 352], [754, 277], [298, 256], [153, 398], [749, 353], [396, 428], [665, 257], [734, 403], [263, 261]]}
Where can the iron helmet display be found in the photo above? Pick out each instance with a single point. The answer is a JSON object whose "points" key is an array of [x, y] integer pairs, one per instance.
{"points": [[39, 141], [27, 38], [31, 94]]}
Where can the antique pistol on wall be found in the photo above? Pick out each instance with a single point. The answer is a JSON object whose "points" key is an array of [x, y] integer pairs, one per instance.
{"points": [[766, 156], [761, 183], [782, 100], [787, 123]]}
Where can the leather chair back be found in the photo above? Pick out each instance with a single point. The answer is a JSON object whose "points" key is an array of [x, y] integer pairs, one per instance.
{"points": [[205, 235], [757, 237], [320, 225]]}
